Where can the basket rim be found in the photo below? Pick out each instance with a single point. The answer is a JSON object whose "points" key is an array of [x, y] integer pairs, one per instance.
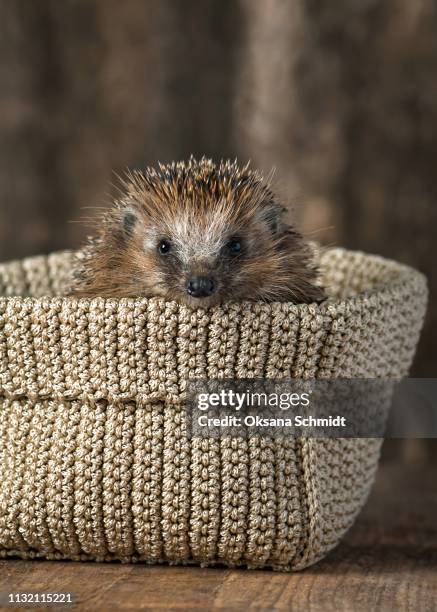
{"points": [[141, 349], [404, 275]]}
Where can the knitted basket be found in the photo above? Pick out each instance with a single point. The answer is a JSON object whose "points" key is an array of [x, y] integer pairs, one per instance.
{"points": [[95, 460]]}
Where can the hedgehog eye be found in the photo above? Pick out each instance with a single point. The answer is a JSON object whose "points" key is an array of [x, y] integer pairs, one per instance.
{"points": [[234, 246], [164, 247]]}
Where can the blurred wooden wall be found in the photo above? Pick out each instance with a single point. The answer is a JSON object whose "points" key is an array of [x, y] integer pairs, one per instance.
{"points": [[339, 97]]}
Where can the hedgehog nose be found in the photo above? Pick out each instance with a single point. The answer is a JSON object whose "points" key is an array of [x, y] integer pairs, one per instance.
{"points": [[201, 286]]}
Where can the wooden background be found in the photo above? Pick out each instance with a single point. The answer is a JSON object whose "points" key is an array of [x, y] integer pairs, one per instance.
{"points": [[340, 97]]}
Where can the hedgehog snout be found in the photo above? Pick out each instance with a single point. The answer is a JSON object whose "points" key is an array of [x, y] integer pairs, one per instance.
{"points": [[201, 286]]}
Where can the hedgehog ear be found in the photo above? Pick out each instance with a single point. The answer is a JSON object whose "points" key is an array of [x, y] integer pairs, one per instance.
{"points": [[272, 215], [129, 220]]}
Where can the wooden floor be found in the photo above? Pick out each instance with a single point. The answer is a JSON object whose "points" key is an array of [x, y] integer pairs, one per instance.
{"points": [[388, 562]]}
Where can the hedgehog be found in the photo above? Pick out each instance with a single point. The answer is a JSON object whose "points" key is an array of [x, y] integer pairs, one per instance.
{"points": [[198, 233]]}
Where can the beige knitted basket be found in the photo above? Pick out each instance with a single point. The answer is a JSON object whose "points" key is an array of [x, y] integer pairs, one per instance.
{"points": [[95, 460]]}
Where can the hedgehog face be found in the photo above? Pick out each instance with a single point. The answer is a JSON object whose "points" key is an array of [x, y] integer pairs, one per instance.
{"points": [[199, 234], [202, 256]]}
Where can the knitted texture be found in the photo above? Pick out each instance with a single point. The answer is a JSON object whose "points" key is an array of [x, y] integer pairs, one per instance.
{"points": [[95, 459]]}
